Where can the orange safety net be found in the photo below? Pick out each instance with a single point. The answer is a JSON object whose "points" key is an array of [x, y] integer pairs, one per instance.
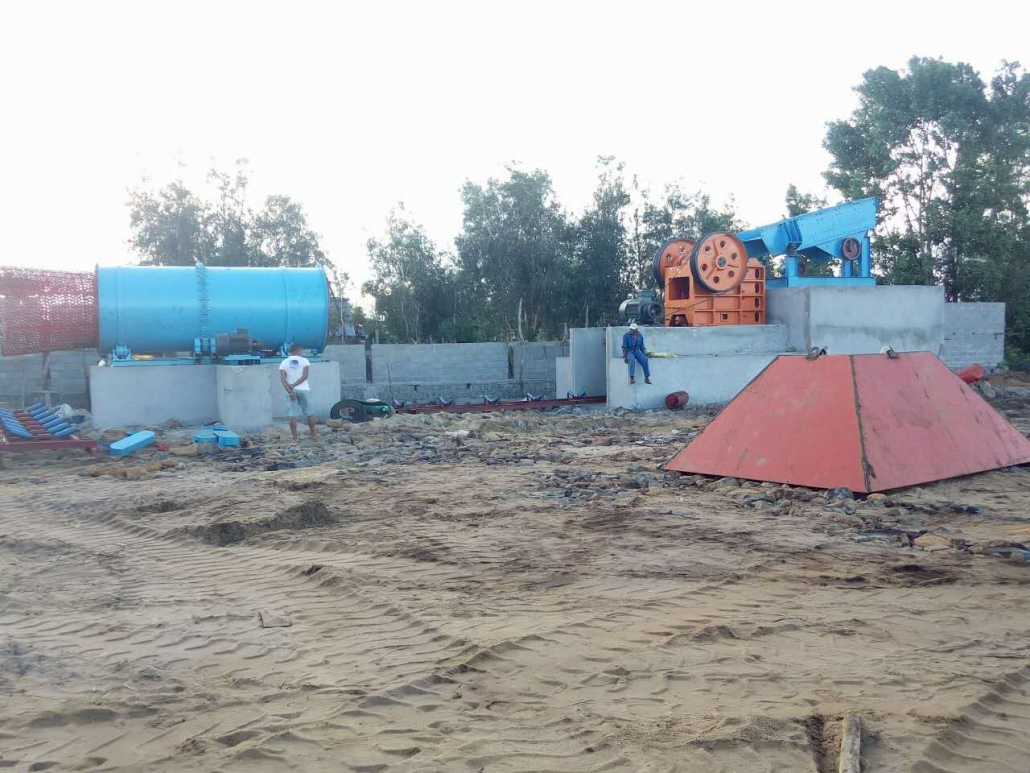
{"points": [[46, 311]]}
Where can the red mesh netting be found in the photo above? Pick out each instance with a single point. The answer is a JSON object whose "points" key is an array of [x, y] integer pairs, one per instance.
{"points": [[46, 311]]}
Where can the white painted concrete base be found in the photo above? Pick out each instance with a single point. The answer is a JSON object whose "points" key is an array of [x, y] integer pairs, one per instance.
{"points": [[243, 395], [238, 396], [709, 379]]}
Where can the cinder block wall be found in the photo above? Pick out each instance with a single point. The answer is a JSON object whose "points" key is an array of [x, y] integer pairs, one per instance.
{"points": [[462, 372], [69, 378], [974, 333]]}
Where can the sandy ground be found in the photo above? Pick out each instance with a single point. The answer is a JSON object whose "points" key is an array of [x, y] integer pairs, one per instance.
{"points": [[534, 595]]}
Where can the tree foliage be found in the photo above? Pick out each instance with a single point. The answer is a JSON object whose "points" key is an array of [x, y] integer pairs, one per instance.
{"points": [[523, 265], [949, 155], [173, 226]]}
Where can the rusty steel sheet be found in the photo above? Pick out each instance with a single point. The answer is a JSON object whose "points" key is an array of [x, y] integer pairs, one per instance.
{"points": [[794, 423], [865, 422], [921, 423]]}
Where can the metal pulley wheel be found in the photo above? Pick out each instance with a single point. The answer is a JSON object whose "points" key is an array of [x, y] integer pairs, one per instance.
{"points": [[719, 262], [851, 248], [675, 252]]}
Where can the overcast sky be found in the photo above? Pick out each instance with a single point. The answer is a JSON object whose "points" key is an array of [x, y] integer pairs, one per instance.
{"points": [[353, 107]]}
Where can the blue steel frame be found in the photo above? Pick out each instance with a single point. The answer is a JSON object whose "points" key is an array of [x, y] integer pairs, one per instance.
{"points": [[818, 235]]}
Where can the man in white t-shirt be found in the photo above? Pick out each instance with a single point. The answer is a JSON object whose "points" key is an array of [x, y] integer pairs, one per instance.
{"points": [[293, 372]]}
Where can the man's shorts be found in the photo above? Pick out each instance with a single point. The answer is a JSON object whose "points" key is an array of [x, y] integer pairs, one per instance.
{"points": [[299, 407]]}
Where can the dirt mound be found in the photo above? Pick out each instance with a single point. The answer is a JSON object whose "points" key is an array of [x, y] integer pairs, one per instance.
{"points": [[309, 515]]}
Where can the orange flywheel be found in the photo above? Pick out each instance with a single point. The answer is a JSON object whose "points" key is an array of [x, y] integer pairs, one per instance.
{"points": [[675, 252], [719, 262]]}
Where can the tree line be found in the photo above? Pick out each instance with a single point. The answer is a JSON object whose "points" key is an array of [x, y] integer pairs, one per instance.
{"points": [[947, 151]]}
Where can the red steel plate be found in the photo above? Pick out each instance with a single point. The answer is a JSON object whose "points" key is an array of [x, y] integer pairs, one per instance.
{"points": [[794, 423], [922, 423]]}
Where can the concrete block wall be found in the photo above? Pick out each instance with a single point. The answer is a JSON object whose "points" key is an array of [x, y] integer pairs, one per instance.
{"points": [[462, 372], [69, 378], [974, 333], [351, 358]]}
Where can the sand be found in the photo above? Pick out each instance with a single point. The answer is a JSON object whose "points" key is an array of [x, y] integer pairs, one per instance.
{"points": [[534, 596]]}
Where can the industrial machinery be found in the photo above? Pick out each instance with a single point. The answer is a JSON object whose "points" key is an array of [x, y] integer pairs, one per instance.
{"points": [[139, 315], [721, 278]]}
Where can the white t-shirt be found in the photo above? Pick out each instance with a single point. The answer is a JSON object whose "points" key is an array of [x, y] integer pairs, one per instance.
{"points": [[294, 366]]}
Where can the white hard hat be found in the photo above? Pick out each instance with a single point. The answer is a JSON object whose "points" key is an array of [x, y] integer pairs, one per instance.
{"points": [[632, 325]]}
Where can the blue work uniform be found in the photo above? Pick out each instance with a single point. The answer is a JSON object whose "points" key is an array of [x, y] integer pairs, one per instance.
{"points": [[637, 352]]}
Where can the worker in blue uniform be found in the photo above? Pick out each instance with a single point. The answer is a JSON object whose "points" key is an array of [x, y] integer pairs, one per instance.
{"points": [[634, 351]]}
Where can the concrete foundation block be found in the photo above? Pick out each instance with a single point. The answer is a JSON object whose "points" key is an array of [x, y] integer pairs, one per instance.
{"points": [[152, 394], [244, 396], [709, 379], [860, 320]]}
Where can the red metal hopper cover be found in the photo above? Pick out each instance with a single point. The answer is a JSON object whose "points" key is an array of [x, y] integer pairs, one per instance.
{"points": [[867, 422]]}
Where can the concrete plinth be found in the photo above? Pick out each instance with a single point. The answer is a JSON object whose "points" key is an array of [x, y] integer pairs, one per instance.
{"points": [[152, 394], [860, 320], [709, 379], [711, 363], [244, 396], [238, 396]]}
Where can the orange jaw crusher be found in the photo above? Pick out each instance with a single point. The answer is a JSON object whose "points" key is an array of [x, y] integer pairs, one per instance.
{"points": [[710, 282]]}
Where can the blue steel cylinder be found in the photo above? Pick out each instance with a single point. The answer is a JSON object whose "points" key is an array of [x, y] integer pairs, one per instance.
{"points": [[164, 308]]}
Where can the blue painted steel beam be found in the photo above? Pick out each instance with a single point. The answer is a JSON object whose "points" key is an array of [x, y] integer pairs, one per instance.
{"points": [[817, 235]]}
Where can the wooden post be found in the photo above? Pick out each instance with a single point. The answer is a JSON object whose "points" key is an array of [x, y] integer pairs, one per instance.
{"points": [[851, 745]]}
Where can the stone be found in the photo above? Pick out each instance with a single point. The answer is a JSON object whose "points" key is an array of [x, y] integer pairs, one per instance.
{"points": [[932, 543], [191, 450], [272, 620], [727, 483], [877, 499], [839, 494], [984, 388], [334, 423]]}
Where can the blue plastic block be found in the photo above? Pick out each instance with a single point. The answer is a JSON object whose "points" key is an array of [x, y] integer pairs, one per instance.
{"points": [[205, 437], [133, 442], [215, 428], [227, 438]]}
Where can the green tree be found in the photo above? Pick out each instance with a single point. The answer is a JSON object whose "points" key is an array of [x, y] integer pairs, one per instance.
{"points": [[676, 215], [598, 276], [949, 155], [513, 256], [799, 203], [412, 287]]}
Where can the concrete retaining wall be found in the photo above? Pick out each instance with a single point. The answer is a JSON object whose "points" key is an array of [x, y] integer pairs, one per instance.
{"points": [[974, 333], [860, 320], [709, 379]]}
